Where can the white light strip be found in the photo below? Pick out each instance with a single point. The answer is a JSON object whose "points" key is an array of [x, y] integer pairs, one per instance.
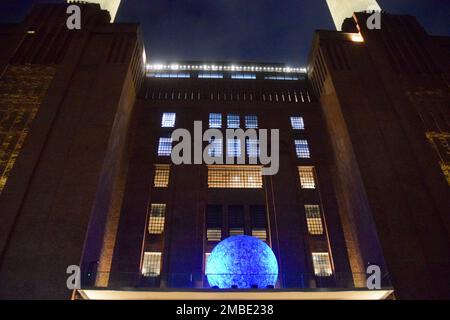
{"points": [[176, 67]]}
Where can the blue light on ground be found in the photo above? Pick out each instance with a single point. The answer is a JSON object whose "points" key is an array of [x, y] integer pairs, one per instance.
{"points": [[242, 261]]}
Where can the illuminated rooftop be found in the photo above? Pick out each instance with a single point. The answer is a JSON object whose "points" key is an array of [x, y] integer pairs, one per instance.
{"points": [[199, 66]]}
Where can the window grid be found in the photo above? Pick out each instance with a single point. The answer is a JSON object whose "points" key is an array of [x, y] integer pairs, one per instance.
{"points": [[233, 121], [313, 219], [236, 232], [214, 234], [234, 147], [216, 147], [156, 219], [234, 177], [215, 120], [164, 147], [210, 75], [243, 76], [151, 266], [260, 233], [307, 180], [251, 122], [297, 123], [162, 173], [236, 216], [302, 149], [252, 148], [281, 77], [168, 120], [322, 264], [169, 75], [258, 216]]}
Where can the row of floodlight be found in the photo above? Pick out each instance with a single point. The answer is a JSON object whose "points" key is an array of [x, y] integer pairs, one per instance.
{"points": [[158, 67]]}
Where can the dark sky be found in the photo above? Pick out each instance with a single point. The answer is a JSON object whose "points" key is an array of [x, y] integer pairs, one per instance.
{"points": [[248, 30]]}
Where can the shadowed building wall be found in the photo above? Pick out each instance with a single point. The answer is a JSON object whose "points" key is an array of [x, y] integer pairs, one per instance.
{"points": [[66, 100], [383, 92]]}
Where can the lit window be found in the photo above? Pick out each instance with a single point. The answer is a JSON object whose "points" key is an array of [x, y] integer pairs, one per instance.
{"points": [[168, 120], [165, 147], [215, 120], [234, 177], [356, 37], [322, 264], [252, 148], [151, 266], [260, 234], [161, 179], [243, 76], [297, 123], [156, 219], [216, 147], [169, 75], [233, 121], [307, 180], [281, 77], [214, 234], [234, 147], [251, 122], [313, 219], [302, 149], [210, 75]]}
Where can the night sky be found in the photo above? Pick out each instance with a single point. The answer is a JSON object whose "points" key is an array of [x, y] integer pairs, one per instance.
{"points": [[245, 30]]}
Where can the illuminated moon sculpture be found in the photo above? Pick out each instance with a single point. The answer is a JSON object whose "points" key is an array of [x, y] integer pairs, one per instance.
{"points": [[242, 262]]}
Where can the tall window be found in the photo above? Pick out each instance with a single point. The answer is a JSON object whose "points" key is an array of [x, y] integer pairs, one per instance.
{"points": [[234, 147], [215, 120], [297, 123], [165, 146], [307, 180], [233, 121], [161, 179], [302, 149], [234, 177], [259, 222], [216, 147], [236, 220], [168, 120], [313, 219], [214, 222], [251, 122], [252, 148], [322, 264], [151, 266], [156, 219]]}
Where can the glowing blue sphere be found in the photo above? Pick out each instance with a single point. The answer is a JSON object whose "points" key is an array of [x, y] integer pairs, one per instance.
{"points": [[242, 261]]}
